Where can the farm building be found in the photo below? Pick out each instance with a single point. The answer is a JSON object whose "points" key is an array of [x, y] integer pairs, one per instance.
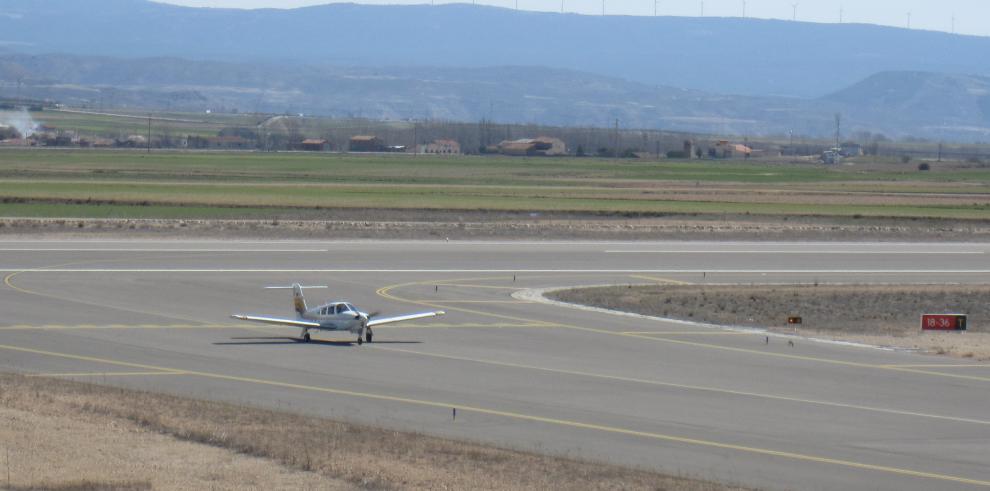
{"points": [[543, 146], [314, 145], [728, 150], [366, 143]]}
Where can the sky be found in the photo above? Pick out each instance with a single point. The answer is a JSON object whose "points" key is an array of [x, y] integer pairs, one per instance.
{"points": [[969, 16]]}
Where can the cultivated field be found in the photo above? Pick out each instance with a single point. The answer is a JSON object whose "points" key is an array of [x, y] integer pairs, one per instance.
{"points": [[70, 436], [131, 184], [877, 314]]}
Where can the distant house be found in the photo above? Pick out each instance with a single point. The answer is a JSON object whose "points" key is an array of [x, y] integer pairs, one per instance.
{"points": [[366, 143], [441, 147], [543, 146], [314, 145], [728, 150]]}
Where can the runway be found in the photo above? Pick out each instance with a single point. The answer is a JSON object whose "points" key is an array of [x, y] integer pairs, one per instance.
{"points": [[715, 404]]}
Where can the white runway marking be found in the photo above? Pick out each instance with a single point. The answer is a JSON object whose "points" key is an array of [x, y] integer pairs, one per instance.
{"points": [[34, 269], [815, 252], [94, 249]]}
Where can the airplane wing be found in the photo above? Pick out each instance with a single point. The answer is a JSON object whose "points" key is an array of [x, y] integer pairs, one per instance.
{"points": [[399, 318], [273, 320]]}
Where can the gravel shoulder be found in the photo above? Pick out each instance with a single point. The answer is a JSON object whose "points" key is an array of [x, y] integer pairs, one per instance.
{"points": [[884, 315], [480, 225]]}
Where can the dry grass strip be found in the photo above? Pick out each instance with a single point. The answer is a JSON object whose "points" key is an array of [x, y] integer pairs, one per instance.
{"points": [[140, 440], [876, 314]]}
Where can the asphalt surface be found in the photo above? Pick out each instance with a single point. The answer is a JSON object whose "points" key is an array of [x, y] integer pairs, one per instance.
{"points": [[679, 399]]}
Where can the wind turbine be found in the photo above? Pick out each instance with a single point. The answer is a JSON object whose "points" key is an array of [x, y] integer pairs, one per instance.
{"points": [[744, 8], [794, 7]]}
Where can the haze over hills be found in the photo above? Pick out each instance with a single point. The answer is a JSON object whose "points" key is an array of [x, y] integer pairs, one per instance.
{"points": [[466, 63], [720, 55], [897, 104]]}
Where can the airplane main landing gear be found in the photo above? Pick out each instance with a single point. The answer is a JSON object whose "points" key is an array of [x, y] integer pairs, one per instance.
{"points": [[368, 335], [306, 338]]}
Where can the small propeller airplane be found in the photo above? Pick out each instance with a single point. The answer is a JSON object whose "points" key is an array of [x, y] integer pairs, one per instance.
{"points": [[337, 316]]}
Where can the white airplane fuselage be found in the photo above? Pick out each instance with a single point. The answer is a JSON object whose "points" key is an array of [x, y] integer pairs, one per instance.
{"points": [[336, 316]]}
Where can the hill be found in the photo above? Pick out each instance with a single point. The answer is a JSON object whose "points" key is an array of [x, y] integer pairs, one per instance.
{"points": [[933, 104], [897, 104], [719, 55]]}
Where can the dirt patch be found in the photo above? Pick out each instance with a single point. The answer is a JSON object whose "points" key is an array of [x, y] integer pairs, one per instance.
{"points": [[74, 436], [886, 315], [422, 224]]}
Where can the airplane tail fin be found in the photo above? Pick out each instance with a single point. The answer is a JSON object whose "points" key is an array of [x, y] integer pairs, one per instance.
{"points": [[298, 300]]}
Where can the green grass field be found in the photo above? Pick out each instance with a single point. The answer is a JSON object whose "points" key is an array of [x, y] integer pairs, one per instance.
{"points": [[84, 183]]}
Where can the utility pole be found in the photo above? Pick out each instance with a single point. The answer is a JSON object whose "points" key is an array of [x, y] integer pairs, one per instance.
{"points": [[615, 147], [838, 125], [149, 133]]}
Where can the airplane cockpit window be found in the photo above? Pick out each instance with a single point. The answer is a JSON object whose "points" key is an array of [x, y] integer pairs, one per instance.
{"points": [[338, 308], [349, 307]]}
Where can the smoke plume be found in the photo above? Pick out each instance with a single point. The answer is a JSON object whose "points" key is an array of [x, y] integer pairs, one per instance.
{"points": [[20, 121]]}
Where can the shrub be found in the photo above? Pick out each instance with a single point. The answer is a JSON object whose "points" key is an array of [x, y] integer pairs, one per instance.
{"points": [[924, 166]]}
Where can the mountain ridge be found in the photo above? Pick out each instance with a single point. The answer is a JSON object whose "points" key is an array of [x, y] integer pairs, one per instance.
{"points": [[764, 57], [897, 104]]}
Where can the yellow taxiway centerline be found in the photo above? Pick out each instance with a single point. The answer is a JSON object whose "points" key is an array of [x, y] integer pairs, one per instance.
{"points": [[536, 419], [688, 333], [659, 280], [700, 388], [385, 292]]}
